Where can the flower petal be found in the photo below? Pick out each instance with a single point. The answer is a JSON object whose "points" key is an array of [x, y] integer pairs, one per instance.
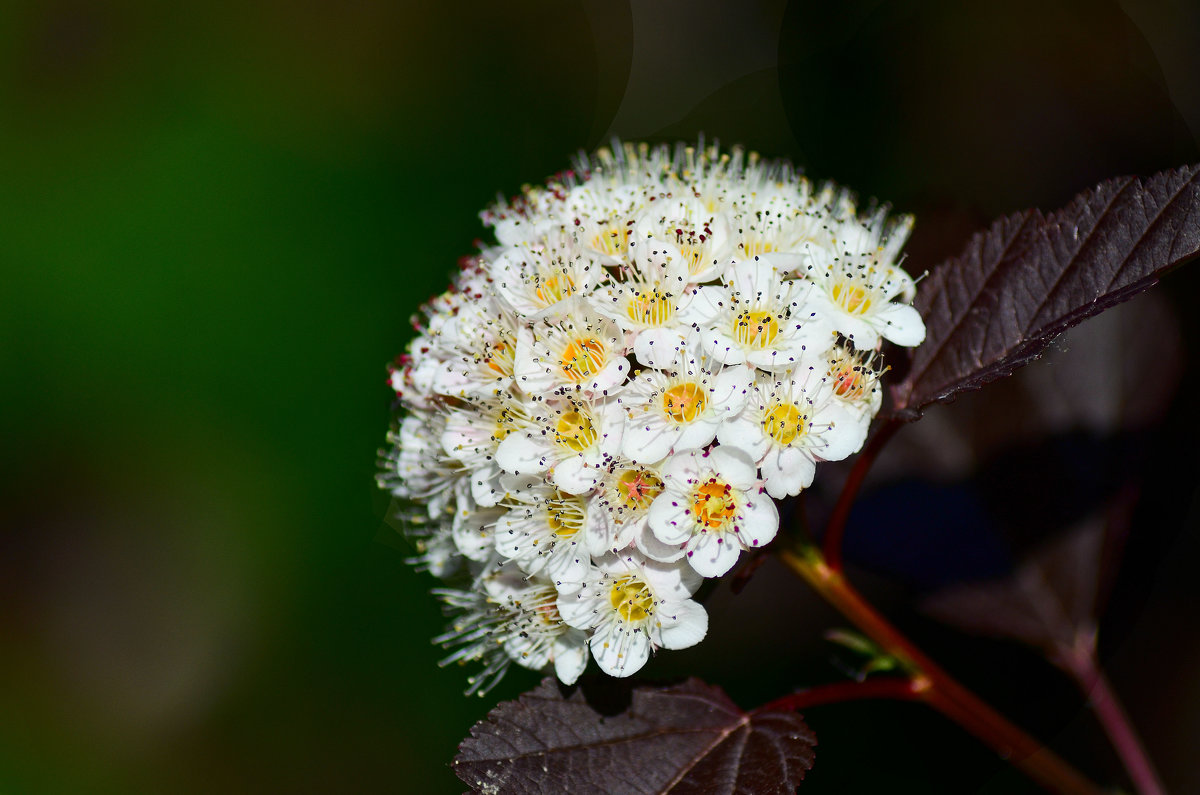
{"points": [[570, 657], [621, 651], [713, 554], [669, 518], [657, 347], [759, 521], [901, 324], [520, 454], [682, 624]]}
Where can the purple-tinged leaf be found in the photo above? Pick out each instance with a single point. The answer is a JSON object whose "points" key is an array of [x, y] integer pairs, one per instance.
{"points": [[1016, 286], [687, 738]]}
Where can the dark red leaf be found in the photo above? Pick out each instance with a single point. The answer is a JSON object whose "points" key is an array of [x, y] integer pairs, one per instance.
{"points": [[1031, 276], [687, 738]]}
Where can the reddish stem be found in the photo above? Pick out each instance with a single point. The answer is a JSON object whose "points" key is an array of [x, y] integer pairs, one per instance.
{"points": [[836, 526], [902, 688], [939, 689], [1081, 664]]}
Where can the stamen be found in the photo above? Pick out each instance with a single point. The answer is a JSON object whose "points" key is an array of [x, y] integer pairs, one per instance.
{"points": [[784, 423], [500, 358], [632, 599], [757, 328], [565, 516], [612, 240], [851, 297], [712, 504], [638, 488], [652, 308], [575, 431], [583, 358], [684, 402], [554, 288]]}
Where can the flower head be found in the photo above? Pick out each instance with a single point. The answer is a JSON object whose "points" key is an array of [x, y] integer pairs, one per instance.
{"points": [[600, 410]]}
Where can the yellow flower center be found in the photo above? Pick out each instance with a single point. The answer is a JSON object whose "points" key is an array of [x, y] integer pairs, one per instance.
{"points": [[694, 257], [784, 423], [612, 240], [554, 289], [757, 328], [637, 488], [684, 402], [754, 248], [653, 308], [500, 358], [582, 358], [713, 505], [632, 599], [565, 516], [575, 432], [851, 297], [504, 424]]}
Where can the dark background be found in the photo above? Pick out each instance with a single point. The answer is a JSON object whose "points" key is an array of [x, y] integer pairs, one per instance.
{"points": [[215, 223]]}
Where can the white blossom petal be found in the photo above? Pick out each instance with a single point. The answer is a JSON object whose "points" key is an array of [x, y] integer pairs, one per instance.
{"points": [[682, 624]]}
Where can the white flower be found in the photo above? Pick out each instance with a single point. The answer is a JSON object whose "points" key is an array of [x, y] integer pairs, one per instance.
{"points": [[647, 302], [472, 354], [633, 606], [859, 281], [580, 353], [682, 407], [757, 317], [779, 219], [572, 440], [854, 379], [510, 617], [712, 507], [544, 534], [698, 236], [535, 278], [416, 468], [597, 413], [617, 511], [789, 424], [472, 432], [472, 530]]}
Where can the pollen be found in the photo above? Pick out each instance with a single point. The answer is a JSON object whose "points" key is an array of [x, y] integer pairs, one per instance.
{"points": [[632, 599], [575, 431], [784, 423], [638, 488], [684, 402], [713, 505], [758, 329], [582, 358]]}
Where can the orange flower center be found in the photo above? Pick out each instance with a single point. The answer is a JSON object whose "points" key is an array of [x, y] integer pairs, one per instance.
{"points": [[713, 505]]}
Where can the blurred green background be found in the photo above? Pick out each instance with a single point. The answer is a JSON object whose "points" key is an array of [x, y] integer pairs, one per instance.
{"points": [[215, 223]]}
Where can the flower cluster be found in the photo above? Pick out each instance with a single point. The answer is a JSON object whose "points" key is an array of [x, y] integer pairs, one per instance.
{"points": [[602, 409]]}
